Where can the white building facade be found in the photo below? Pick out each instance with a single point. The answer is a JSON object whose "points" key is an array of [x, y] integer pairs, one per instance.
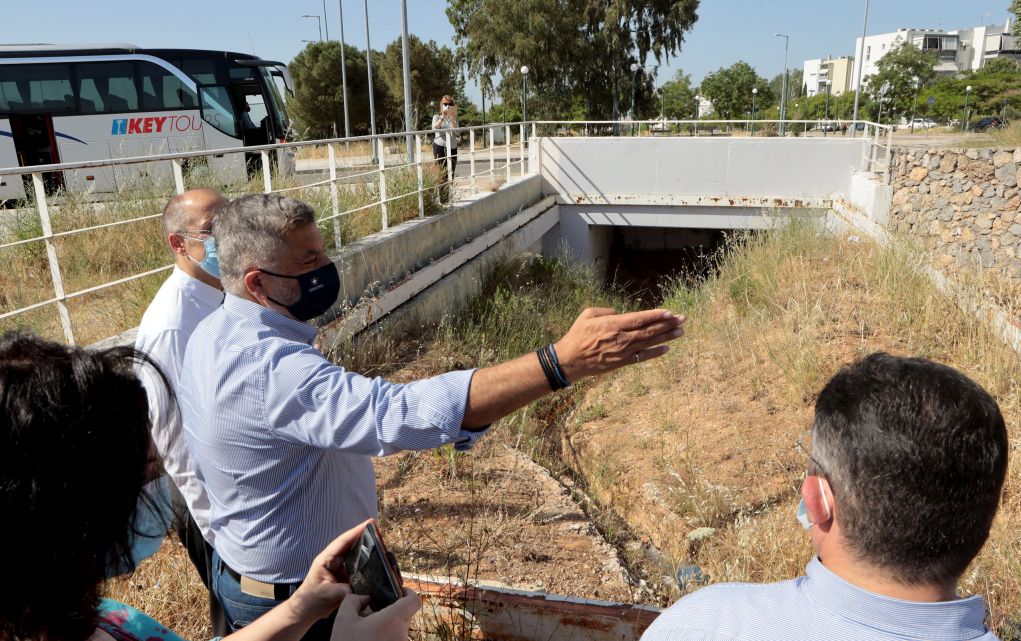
{"points": [[956, 51]]}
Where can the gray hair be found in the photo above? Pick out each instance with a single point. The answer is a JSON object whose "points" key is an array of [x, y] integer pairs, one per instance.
{"points": [[252, 232]]}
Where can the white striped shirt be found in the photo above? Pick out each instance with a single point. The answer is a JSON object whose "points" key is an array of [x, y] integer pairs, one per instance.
{"points": [[282, 438], [178, 307], [820, 605]]}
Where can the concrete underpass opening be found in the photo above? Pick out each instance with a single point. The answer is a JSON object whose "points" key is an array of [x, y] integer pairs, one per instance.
{"points": [[642, 260]]}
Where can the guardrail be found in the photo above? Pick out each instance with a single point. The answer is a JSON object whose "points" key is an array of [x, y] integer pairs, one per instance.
{"points": [[373, 177]]}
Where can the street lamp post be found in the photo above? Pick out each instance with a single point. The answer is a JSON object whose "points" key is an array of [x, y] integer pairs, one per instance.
{"points": [[914, 103], [634, 88], [319, 21], [343, 73], [783, 97], [524, 93], [662, 104], [326, 21], [755, 92], [882, 99], [964, 120], [861, 65]]}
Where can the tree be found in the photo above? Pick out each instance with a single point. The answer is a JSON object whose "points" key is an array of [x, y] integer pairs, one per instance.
{"points": [[730, 91], [999, 65], [432, 74], [577, 51], [318, 104], [1015, 8], [795, 85], [678, 97], [894, 84]]}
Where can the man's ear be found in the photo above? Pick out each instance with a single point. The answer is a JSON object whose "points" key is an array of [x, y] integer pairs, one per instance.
{"points": [[818, 500], [176, 242], [255, 285]]}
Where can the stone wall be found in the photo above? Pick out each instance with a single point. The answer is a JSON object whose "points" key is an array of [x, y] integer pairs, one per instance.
{"points": [[963, 204]]}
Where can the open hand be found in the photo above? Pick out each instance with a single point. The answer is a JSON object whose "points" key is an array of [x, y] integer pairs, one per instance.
{"points": [[602, 340]]}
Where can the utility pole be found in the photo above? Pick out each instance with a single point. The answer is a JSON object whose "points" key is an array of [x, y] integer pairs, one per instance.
{"points": [[861, 65], [326, 20], [407, 81], [343, 73], [372, 96]]}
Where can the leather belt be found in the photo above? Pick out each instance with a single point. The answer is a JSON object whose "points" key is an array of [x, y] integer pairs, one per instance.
{"points": [[252, 587]]}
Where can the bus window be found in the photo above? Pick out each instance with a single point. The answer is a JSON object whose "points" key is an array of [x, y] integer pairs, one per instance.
{"points": [[218, 110], [107, 87], [202, 71], [162, 90], [37, 88]]}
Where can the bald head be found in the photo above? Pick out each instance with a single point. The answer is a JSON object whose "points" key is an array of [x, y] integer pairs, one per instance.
{"points": [[192, 210]]}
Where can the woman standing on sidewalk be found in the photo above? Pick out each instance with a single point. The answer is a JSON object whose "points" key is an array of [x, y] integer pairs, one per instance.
{"points": [[445, 119]]}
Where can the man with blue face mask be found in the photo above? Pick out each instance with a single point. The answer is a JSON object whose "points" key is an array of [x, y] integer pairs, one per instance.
{"points": [[906, 461], [191, 293], [283, 439]]}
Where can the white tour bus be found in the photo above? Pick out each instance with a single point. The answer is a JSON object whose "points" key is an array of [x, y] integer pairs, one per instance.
{"points": [[61, 104]]}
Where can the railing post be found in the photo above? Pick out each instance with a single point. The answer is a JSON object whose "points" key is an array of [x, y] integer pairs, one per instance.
{"points": [[521, 144], [450, 169], [51, 255], [471, 155], [334, 196], [382, 182], [267, 183], [178, 175], [889, 156], [492, 153], [507, 132], [418, 170], [874, 151], [533, 131]]}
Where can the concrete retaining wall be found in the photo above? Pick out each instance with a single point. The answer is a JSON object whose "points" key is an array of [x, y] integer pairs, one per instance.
{"points": [[731, 170], [964, 205]]}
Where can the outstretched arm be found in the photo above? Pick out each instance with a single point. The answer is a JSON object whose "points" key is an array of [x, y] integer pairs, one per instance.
{"points": [[601, 340]]}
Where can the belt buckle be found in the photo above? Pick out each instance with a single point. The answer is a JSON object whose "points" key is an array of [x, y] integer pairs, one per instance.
{"points": [[259, 589]]}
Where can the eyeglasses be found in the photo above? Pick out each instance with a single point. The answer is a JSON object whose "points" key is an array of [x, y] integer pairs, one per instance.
{"points": [[199, 233], [447, 104], [805, 445]]}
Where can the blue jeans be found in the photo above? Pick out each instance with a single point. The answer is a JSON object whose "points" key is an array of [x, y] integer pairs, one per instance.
{"points": [[242, 609]]}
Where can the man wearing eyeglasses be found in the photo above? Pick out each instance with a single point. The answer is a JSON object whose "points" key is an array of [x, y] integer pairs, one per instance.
{"points": [[191, 293], [446, 119], [905, 467]]}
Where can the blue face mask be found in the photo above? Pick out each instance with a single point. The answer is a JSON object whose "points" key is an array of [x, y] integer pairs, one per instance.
{"points": [[210, 264], [802, 513], [154, 515]]}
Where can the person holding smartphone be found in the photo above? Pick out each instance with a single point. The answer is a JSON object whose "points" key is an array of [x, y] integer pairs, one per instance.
{"points": [[445, 119], [84, 498]]}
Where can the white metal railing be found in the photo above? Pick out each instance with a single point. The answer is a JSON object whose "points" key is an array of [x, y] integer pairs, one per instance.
{"points": [[505, 161], [499, 159]]}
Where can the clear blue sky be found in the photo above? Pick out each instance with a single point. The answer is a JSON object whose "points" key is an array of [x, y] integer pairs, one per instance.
{"points": [[727, 30]]}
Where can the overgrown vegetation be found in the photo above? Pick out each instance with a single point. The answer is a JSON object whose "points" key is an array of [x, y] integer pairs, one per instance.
{"points": [[711, 444]]}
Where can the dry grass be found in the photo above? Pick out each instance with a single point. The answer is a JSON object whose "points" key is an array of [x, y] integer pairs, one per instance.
{"points": [[706, 436]]}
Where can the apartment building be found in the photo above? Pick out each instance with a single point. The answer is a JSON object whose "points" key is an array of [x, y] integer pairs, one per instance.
{"points": [[835, 72], [956, 51]]}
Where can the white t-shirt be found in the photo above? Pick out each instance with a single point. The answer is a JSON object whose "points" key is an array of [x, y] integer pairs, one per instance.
{"points": [[178, 307], [442, 122]]}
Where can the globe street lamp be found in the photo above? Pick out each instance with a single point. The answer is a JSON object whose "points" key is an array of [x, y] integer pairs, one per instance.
{"points": [[319, 21], [524, 93], [828, 84], [918, 84], [755, 92], [634, 86], [964, 121]]}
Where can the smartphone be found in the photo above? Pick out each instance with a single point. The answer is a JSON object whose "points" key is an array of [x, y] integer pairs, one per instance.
{"points": [[372, 571]]}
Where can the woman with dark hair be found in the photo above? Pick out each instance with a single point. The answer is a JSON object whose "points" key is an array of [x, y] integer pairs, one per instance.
{"points": [[82, 500]]}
